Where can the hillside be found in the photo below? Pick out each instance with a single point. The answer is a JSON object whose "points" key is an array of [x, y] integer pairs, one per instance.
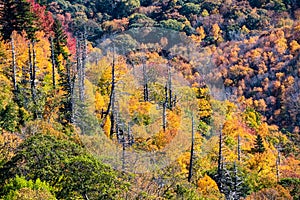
{"points": [[162, 99]]}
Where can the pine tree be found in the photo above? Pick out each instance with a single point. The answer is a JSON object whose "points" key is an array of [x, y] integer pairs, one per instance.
{"points": [[15, 15], [66, 72], [259, 145]]}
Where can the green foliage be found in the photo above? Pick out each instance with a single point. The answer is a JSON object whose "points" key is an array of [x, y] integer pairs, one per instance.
{"points": [[252, 118], [257, 3], [17, 16], [117, 9], [11, 114], [172, 24], [182, 191], [87, 122], [259, 145], [125, 42], [87, 176], [190, 8], [293, 185], [65, 166], [126, 7], [9, 117], [203, 128], [140, 20], [13, 189]]}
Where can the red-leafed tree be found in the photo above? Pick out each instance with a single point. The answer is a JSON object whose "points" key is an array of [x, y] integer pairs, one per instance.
{"points": [[44, 17]]}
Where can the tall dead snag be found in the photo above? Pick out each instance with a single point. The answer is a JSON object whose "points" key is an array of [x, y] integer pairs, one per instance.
{"points": [[81, 59], [111, 105], [32, 74], [126, 139], [220, 159], [192, 153], [112, 97], [70, 79], [145, 83], [84, 61], [278, 164], [14, 66], [239, 147], [79, 65], [34, 78], [52, 63], [164, 117], [169, 86]]}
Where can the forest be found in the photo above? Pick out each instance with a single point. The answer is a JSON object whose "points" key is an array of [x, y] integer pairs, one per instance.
{"points": [[149, 99]]}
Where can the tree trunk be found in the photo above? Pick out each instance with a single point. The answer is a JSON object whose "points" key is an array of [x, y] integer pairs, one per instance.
{"points": [[112, 97], [145, 83], [192, 153], [53, 63], [14, 67], [164, 116], [84, 61], [170, 88], [70, 100], [220, 156], [79, 67], [277, 166], [30, 69], [34, 78], [239, 148]]}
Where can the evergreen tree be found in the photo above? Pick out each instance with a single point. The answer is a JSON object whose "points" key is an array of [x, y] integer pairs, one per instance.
{"points": [[15, 15], [259, 146], [65, 71]]}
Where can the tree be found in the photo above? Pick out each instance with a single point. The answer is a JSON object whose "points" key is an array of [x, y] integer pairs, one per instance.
{"points": [[192, 153], [172, 24], [190, 9], [66, 71], [125, 8], [19, 188], [16, 16], [65, 166], [293, 185], [259, 145]]}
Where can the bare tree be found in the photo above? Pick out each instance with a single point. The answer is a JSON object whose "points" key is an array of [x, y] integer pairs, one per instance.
{"points": [[32, 73], [145, 83], [53, 62], [192, 153], [164, 117], [111, 104], [14, 66], [239, 147], [220, 156], [81, 59]]}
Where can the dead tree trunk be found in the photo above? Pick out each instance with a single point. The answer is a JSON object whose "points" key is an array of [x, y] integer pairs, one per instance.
{"points": [[32, 75], [71, 84], [112, 97], [30, 68], [84, 61], [145, 83], [277, 166], [53, 63], [169, 86], [164, 116], [192, 153], [220, 156], [14, 67], [79, 67], [239, 148], [111, 106], [33, 81]]}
